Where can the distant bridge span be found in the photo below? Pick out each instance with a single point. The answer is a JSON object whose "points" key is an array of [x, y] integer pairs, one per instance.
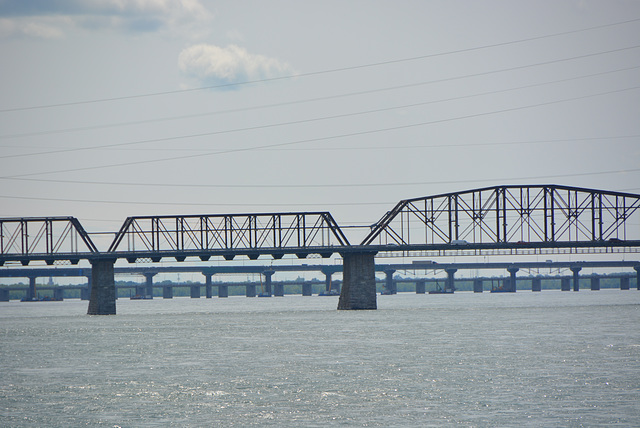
{"points": [[499, 217]]}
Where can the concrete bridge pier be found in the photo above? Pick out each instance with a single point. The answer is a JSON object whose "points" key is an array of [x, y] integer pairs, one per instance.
{"points": [[195, 291], [358, 281], [148, 286], [4, 295], [536, 284], [31, 290], [389, 284], [477, 285], [576, 278], [250, 290], [278, 289], [421, 286], [637, 269], [103, 288], [267, 283], [307, 289], [565, 284], [512, 278], [167, 292], [450, 282], [328, 285], [595, 283], [207, 285], [223, 290], [624, 283]]}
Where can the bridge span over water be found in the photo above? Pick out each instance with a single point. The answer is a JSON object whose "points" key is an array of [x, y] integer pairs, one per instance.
{"points": [[516, 219], [422, 272]]}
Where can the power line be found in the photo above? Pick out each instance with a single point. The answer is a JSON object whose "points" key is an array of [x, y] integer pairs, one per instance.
{"points": [[422, 183], [315, 73], [291, 143], [406, 86], [280, 185]]}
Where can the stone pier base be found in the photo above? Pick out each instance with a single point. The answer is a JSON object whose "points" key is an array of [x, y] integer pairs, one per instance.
{"points": [[103, 288], [359, 282]]}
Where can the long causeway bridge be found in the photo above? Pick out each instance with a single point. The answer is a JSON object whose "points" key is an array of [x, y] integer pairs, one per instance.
{"points": [[482, 221]]}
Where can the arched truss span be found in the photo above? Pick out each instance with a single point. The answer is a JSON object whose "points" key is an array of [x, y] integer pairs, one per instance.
{"points": [[541, 214]]}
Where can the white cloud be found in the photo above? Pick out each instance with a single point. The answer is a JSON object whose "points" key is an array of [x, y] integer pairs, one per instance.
{"points": [[52, 18], [210, 65]]}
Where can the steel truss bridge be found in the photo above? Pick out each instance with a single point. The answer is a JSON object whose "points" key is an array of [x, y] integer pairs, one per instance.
{"points": [[486, 220], [501, 217]]}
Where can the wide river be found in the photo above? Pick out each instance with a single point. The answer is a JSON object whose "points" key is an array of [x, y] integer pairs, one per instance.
{"points": [[525, 359]]}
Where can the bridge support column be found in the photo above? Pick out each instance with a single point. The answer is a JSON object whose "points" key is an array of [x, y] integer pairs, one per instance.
{"points": [[512, 278], [637, 269], [389, 284], [167, 292], [4, 295], [536, 284], [450, 282], [595, 283], [148, 286], [477, 285], [195, 291], [103, 288], [359, 282], [250, 290], [307, 289], [278, 290], [576, 278], [31, 291], [223, 290], [267, 283], [624, 283], [565, 284], [421, 286], [207, 285], [327, 283]]}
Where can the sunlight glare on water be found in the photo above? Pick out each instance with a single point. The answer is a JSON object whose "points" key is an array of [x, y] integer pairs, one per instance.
{"points": [[532, 359]]}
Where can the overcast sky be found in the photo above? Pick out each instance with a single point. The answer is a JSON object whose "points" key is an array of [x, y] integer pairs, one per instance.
{"points": [[110, 109]]}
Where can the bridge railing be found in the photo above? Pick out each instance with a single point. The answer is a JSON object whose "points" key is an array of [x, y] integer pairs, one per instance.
{"points": [[511, 214], [298, 230], [44, 237]]}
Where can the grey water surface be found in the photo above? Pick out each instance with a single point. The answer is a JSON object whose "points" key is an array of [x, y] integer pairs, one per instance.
{"points": [[525, 359]]}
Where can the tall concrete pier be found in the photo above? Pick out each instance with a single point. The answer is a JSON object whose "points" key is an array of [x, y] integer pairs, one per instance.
{"points": [[359, 281], [103, 288]]}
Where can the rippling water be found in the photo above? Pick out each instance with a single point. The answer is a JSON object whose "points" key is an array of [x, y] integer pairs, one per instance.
{"points": [[524, 359]]}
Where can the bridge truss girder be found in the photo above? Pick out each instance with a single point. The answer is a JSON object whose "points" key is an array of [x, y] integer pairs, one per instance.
{"points": [[46, 238], [298, 232], [544, 214]]}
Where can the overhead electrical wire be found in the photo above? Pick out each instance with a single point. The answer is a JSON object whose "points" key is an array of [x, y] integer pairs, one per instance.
{"points": [[337, 96], [422, 183], [297, 122], [314, 73], [291, 143], [286, 185]]}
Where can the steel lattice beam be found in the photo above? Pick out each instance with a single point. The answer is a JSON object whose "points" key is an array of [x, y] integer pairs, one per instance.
{"points": [[269, 231], [511, 215], [44, 237]]}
